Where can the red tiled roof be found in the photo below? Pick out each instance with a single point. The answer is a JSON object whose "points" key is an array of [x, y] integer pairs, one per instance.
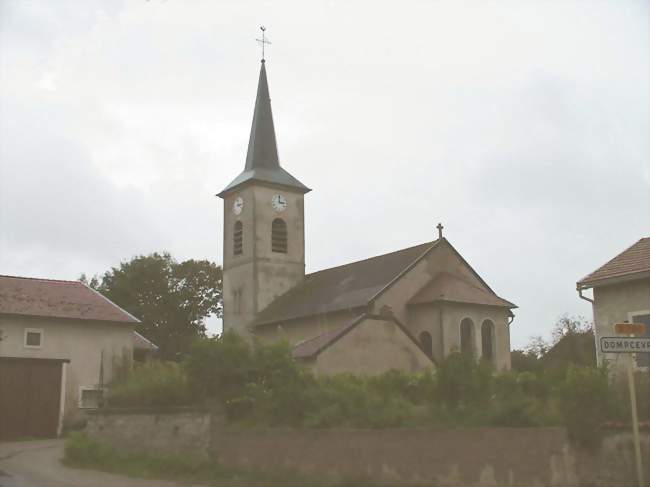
{"points": [[632, 261], [57, 299], [142, 343], [447, 287]]}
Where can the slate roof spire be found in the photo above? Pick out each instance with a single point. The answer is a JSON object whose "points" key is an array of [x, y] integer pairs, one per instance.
{"points": [[262, 147], [262, 162]]}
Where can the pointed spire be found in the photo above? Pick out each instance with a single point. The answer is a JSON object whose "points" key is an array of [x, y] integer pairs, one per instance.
{"points": [[262, 162], [262, 147]]}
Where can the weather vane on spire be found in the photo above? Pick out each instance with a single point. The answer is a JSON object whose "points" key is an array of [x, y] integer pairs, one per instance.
{"points": [[263, 40]]}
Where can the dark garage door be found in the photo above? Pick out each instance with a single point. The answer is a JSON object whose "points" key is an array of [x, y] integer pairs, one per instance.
{"points": [[30, 397]]}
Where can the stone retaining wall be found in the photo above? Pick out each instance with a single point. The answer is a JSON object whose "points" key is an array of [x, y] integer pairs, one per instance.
{"points": [[183, 432], [485, 457]]}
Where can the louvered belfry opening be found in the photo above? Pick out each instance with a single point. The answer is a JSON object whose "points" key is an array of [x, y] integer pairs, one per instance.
{"points": [[279, 236], [238, 238]]}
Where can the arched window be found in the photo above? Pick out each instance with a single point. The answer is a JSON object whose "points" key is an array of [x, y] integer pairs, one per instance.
{"points": [[487, 340], [238, 238], [467, 336], [279, 236], [426, 343]]}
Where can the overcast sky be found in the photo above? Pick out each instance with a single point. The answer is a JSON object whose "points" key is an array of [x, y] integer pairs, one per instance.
{"points": [[521, 125]]}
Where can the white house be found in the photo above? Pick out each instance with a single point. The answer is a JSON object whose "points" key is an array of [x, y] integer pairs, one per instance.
{"points": [[60, 343], [621, 292]]}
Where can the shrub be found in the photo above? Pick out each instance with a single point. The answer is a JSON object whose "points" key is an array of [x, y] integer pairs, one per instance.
{"points": [[258, 383], [354, 402], [463, 382], [585, 402], [525, 361], [219, 367], [152, 384]]}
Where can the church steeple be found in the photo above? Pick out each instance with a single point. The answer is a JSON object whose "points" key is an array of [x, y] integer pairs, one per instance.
{"points": [[262, 162], [263, 225], [262, 148]]}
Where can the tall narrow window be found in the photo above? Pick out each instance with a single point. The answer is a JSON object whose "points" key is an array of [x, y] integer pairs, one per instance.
{"points": [[279, 236], [467, 336], [426, 343], [238, 238], [487, 340]]}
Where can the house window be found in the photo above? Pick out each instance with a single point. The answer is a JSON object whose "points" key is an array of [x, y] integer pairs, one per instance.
{"points": [[467, 336], [426, 343], [279, 236], [90, 397], [487, 340], [238, 238], [33, 338]]}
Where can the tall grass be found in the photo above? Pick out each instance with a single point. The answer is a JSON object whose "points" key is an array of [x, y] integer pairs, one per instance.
{"points": [[152, 384]]}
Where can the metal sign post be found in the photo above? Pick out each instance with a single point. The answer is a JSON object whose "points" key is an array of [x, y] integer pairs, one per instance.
{"points": [[630, 345]]}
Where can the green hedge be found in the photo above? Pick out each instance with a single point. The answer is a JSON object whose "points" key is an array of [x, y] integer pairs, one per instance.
{"points": [[262, 385], [152, 384]]}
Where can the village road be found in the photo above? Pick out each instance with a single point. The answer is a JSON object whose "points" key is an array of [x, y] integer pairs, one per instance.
{"points": [[37, 464]]}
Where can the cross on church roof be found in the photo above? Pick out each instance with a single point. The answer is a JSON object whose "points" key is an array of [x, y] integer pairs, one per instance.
{"points": [[263, 41], [439, 227]]}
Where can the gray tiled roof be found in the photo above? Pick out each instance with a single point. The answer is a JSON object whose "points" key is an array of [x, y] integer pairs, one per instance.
{"points": [[451, 288], [340, 288], [262, 162], [631, 262], [352, 286]]}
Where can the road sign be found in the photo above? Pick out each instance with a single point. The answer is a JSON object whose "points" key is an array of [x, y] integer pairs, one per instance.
{"points": [[625, 344], [630, 345], [637, 329]]}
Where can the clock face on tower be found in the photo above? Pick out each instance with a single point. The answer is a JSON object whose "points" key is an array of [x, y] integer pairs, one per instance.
{"points": [[279, 203], [238, 205]]}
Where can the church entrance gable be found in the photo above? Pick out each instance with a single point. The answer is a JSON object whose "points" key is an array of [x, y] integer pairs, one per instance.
{"points": [[371, 346]]}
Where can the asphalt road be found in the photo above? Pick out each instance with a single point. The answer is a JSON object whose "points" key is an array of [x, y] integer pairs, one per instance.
{"points": [[37, 464]]}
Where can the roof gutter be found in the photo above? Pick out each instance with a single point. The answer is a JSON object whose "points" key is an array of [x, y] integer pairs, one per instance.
{"points": [[580, 289]]}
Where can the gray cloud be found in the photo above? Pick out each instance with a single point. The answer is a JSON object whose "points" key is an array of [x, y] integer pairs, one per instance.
{"points": [[521, 125]]}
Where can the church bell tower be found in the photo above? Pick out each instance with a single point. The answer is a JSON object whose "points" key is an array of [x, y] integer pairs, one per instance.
{"points": [[264, 225]]}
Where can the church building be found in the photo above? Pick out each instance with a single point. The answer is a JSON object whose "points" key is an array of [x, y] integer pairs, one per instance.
{"points": [[405, 310]]}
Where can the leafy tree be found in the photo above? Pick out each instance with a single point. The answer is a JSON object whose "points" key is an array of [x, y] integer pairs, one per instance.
{"points": [[537, 347], [462, 381], [586, 401], [524, 361], [171, 299], [569, 325]]}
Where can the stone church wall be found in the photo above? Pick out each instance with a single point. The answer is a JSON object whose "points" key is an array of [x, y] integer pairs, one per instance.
{"points": [[427, 318], [302, 329], [454, 314], [371, 348]]}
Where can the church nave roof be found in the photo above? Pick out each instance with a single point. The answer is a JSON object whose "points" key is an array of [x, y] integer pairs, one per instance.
{"points": [[353, 286]]}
